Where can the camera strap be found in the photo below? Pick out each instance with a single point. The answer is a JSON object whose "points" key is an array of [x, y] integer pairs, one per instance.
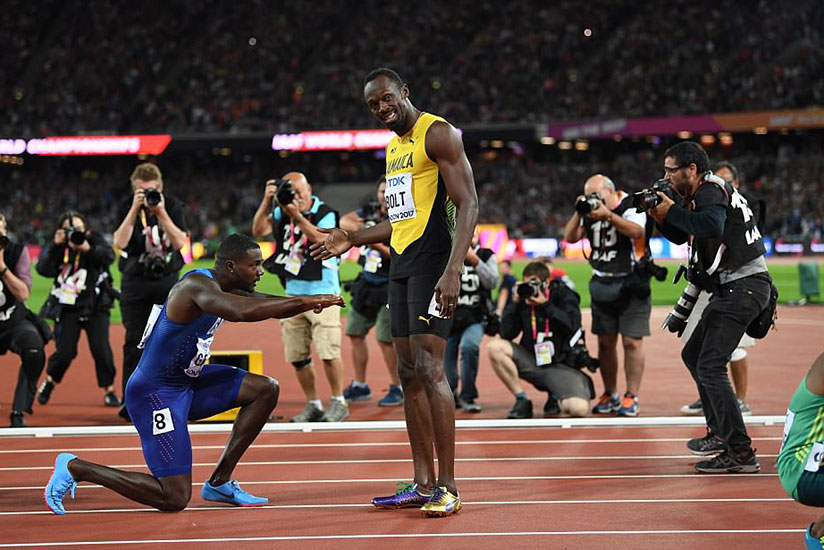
{"points": [[544, 350]]}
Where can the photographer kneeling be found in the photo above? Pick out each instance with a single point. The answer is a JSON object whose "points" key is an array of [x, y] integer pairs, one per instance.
{"points": [[551, 350], [81, 297]]}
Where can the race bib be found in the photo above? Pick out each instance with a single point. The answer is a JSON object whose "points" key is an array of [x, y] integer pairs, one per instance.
{"points": [[814, 458], [373, 261], [399, 201], [434, 309], [150, 324], [162, 422], [544, 352], [204, 351]]}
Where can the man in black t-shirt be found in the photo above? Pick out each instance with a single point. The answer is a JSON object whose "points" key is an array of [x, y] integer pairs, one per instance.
{"points": [[150, 237], [727, 260]]}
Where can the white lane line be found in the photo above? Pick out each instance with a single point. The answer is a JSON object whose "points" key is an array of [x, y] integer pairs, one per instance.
{"points": [[472, 503], [693, 476], [402, 461], [377, 444], [431, 536]]}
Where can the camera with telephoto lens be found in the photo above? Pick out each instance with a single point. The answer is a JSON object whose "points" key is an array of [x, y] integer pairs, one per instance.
{"points": [[285, 193], [4, 241], [676, 321], [152, 197], [587, 204], [530, 289], [74, 236], [154, 267], [645, 199]]}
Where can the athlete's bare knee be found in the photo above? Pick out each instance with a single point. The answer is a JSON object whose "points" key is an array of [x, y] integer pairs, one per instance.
{"points": [[270, 391], [406, 372], [574, 406], [177, 491]]}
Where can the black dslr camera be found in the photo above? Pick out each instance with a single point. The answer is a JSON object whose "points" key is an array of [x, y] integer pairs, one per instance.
{"points": [[154, 267], [648, 198], [371, 212], [587, 204], [285, 194], [4, 242], [152, 197], [648, 268], [74, 236], [530, 289]]}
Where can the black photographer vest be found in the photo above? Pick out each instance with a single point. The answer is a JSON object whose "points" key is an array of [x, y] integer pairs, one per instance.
{"points": [[612, 251], [472, 301], [10, 307], [290, 240], [741, 241]]}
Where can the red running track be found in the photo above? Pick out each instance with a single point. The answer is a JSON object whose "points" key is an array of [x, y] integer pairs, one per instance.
{"points": [[616, 487]]}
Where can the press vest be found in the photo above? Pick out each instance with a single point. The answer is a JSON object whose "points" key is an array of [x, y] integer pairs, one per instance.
{"points": [[613, 252]]}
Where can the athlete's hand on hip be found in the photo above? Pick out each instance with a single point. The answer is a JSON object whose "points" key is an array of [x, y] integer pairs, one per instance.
{"points": [[322, 301], [446, 293], [336, 243]]}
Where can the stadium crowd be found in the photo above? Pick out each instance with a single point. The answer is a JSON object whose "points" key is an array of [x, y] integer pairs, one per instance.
{"points": [[298, 68]]}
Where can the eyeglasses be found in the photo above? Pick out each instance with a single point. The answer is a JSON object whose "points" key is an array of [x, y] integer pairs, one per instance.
{"points": [[672, 169]]}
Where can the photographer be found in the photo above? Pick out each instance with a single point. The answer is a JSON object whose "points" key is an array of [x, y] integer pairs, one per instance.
{"points": [[621, 302], [727, 260], [150, 237], [551, 350], [478, 279], [81, 297], [21, 332], [294, 214], [739, 361], [368, 306]]}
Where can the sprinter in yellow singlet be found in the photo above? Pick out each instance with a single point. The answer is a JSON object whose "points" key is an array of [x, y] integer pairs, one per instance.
{"points": [[428, 181]]}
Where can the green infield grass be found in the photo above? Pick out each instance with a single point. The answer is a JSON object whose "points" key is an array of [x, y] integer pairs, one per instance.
{"points": [[785, 275]]}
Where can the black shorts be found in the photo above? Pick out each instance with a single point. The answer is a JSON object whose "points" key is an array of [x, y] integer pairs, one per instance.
{"points": [[559, 380], [409, 300]]}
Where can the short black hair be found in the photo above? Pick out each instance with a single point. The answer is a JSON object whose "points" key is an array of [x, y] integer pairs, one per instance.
{"points": [[383, 71], [729, 166], [689, 152], [68, 215], [536, 268], [235, 246]]}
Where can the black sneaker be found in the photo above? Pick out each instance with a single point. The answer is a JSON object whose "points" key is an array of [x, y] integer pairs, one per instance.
{"points": [[551, 407], [45, 391], [730, 463], [710, 444], [17, 420], [521, 409], [111, 400]]}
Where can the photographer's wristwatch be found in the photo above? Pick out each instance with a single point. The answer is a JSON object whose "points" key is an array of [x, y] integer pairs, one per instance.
{"points": [[3, 272]]}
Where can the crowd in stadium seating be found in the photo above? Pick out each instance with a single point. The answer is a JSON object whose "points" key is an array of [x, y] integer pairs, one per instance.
{"points": [[173, 66], [532, 193]]}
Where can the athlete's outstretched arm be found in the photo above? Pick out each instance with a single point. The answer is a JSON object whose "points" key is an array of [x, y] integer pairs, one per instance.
{"points": [[338, 241], [199, 294], [444, 146]]}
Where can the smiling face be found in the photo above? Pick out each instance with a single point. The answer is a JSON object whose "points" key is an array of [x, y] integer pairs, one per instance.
{"points": [[389, 103]]}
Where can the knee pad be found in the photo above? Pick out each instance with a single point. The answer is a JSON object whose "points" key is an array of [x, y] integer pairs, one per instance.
{"points": [[738, 354], [302, 364]]}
